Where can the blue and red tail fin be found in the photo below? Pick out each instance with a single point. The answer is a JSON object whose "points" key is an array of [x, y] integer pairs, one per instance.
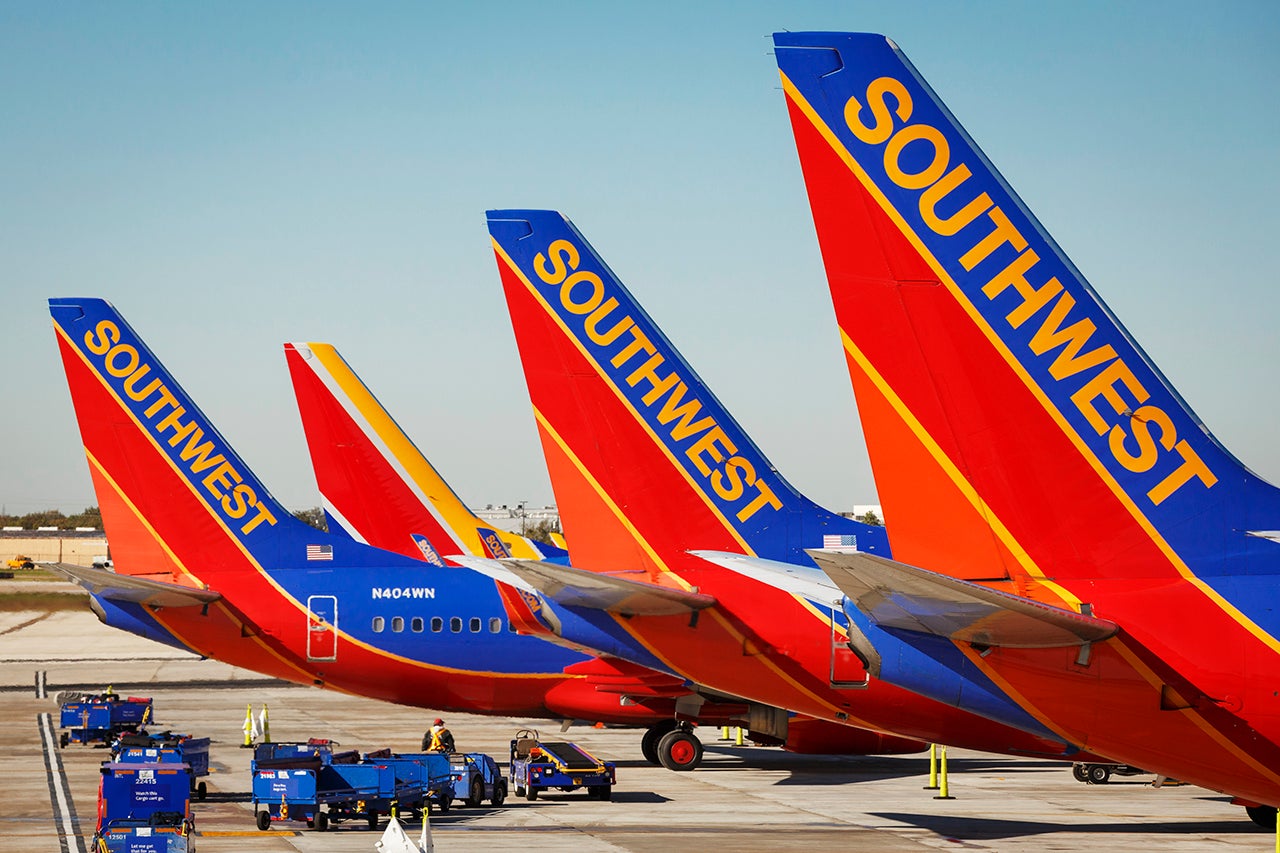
{"points": [[375, 481], [1015, 428], [177, 502], [642, 454]]}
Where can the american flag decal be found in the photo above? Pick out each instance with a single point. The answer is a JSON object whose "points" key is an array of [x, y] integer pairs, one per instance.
{"points": [[832, 540], [319, 552]]}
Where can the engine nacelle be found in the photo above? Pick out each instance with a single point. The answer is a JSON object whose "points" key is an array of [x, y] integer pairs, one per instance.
{"points": [[808, 736]]}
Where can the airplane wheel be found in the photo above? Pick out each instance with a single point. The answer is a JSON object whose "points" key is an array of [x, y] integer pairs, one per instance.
{"points": [[1099, 774], [322, 822], [655, 733], [264, 821], [679, 750], [1263, 816], [1080, 772]]}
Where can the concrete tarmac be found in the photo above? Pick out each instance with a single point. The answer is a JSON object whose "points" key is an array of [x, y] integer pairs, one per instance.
{"points": [[741, 799]]}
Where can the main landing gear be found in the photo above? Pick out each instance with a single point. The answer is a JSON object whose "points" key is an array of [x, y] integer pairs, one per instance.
{"points": [[1263, 816], [673, 745]]}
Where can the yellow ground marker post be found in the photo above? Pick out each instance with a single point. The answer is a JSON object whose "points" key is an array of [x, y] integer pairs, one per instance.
{"points": [[942, 775], [737, 737], [933, 768]]}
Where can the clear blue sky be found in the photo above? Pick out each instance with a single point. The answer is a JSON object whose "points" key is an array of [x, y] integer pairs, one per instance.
{"points": [[236, 175]]}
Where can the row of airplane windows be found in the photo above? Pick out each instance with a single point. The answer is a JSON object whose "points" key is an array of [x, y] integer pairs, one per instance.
{"points": [[416, 624]]}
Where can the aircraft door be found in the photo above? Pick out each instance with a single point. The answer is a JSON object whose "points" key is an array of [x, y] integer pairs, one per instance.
{"points": [[322, 627]]}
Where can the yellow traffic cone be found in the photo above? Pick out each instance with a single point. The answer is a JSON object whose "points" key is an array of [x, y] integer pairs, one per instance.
{"points": [[248, 727]]}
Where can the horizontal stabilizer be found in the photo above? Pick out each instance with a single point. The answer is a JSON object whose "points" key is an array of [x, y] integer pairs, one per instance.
{"points": [[788, 577], [116, 587], [492, 568], [578, 588], [895, 595]]}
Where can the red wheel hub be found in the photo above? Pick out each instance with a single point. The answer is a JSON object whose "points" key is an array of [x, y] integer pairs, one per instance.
{"points": [[682, 752]]}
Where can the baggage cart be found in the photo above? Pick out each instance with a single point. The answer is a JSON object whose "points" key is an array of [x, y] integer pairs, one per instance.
{"points": [[102, 717], [144, 807], [167, 747]]}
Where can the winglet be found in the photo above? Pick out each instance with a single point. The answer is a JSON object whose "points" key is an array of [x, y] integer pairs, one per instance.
{"points": [[895, 595]]}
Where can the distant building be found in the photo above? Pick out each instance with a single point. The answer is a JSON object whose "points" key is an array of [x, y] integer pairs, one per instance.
{"points": [[859, 510], [81, 547], [514, 518]]}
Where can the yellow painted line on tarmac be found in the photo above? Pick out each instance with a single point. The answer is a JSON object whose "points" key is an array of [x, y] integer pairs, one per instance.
{"points": [[244, 833]]}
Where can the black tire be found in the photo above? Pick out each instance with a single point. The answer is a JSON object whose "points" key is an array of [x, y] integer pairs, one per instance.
{"points": [[605, 792], [373, 820], [680, 750], [28, 565], [202, 791], [1263, 816], [1099, 774], [649, 743], [476, 797], [1080, 772], [322, 822], [531, 794], [445, 803], [499, 794], [519, 790], [264, 821], [63, 740]]}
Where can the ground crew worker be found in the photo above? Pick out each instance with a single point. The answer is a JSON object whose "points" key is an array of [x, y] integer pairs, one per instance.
{"points": [[438, 738]]}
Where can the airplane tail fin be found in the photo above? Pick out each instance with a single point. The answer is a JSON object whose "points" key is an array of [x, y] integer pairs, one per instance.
{"points": [[375, 481], [178, 504], [643, 456], [1015, 428]]}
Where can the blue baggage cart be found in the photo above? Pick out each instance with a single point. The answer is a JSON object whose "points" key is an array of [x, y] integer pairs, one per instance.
{"points": [[144, 807], [424, 780], [167, 747], [102, 717], [310, 783]]}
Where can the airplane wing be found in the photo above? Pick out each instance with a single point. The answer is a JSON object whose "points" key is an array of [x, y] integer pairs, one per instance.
{"points": [[579, 588], [895, 595], [132, 588]]}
